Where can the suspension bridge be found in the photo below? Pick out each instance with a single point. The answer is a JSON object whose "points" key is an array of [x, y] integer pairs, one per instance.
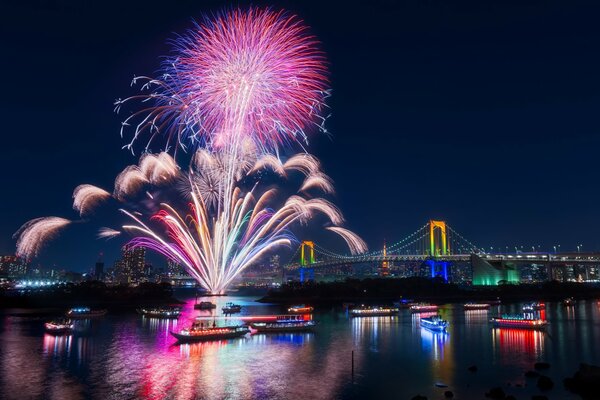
{"points": [[437, 246]]}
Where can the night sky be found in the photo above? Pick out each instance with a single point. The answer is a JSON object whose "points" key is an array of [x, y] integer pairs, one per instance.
{"points": [[482, 114]]}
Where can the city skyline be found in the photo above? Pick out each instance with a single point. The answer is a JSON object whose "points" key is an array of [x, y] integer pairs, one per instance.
{"points": [[430, 142]]}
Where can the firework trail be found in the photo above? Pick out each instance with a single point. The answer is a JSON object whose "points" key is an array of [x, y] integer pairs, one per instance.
{"points": [[253, 73], [87, 197], [107, 233], [155, 169], [35, 233], [355, 243]]}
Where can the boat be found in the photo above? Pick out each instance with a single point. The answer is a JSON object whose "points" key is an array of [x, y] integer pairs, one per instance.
{"points": [[63, 325], [84, 313], [569, 302], [198, 332], [231, 308], [476, 306], [534, 307], [284, 323], [205, 305], [434, 323], [496, 302], [423, 307], [519, 321], [160, 312], [301, 309], [373, 311]]}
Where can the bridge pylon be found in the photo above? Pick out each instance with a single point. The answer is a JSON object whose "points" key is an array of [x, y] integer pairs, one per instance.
{"points": [[304, 262], [438, 246]]}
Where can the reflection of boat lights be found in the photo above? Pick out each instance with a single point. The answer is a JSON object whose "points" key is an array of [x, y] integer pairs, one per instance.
{"points": [[515, 341], [57, 344], [434, 341]]}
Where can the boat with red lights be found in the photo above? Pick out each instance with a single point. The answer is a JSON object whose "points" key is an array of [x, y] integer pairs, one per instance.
{"points": [[301, 309], [199, 332], [59, 326], [518, 321], [284, 323], [423, 307], [85, 313], [373, 311], [476, 306]]}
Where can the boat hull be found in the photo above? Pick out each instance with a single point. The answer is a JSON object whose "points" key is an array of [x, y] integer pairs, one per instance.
{"points": [[374, 314], [282, 329], [434, 328], [423, 310], [94, 314], [519, 325], [208, 337], [158, 315]]}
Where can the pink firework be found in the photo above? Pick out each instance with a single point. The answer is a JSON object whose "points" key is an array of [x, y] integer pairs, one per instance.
{"points": [[246, 73]]}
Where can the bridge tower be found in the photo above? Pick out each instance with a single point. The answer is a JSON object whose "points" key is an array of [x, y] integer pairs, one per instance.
{"points": [[434, 242], [438, 246], [303, 260], [385, 265]]}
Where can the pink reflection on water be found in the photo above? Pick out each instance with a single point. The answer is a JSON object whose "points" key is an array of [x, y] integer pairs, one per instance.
{"points": [[57, 344]]}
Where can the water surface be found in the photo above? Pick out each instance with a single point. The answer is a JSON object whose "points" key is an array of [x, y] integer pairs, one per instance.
{"points": [[134, 357]]}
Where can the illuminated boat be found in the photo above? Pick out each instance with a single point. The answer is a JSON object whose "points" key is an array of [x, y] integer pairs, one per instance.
{"points": [[434, 323], [59, 326], [423, 307], [84, 313], [160, 312], [301, 309], [205, 305], [231, 308], [519, 321], [198, 332], [284, 323], [569, 302], [534, 307], [373, 311], [476, 306]]}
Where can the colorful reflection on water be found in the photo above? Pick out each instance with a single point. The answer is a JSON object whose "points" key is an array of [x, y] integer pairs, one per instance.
{"points": [[131, 356]]}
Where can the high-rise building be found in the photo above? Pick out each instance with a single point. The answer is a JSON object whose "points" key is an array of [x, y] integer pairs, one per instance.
{"points": [[13, 266], [130, 268], [175, 269], [274, 263], [99, 269]]}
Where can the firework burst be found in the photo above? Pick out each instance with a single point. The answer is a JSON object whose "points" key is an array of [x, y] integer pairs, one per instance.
{"points": [[253, 73]]}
